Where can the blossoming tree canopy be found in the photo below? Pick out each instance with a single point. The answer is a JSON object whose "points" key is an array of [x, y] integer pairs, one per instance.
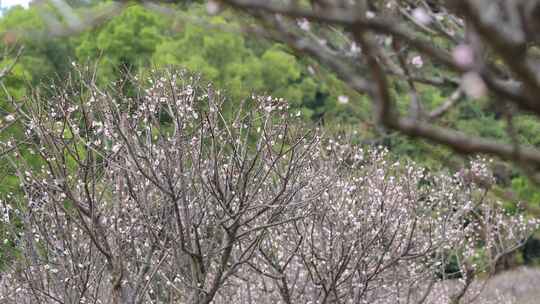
{"points": [[166, 197]]}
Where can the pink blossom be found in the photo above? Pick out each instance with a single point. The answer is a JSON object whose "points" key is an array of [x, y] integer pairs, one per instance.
{"points": [[463, 55], [417, 61]]}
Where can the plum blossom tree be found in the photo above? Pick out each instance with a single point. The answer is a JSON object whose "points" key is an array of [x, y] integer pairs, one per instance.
{"points": [[145, 189], [165, 197], [379, 236]]}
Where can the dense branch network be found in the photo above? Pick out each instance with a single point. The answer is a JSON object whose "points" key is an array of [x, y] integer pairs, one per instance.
{"points": [[168, 197]]}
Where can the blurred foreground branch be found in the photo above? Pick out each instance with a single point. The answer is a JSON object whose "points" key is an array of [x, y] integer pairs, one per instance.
{"points": [[489, 46]]}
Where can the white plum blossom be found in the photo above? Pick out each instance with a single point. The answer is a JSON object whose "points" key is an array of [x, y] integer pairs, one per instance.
{"points": [[116, 148], [355, 49], [343, 99], [421, 16], [304, 24]]}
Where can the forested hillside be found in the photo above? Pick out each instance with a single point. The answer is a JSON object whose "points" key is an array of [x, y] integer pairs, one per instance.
{"points": [[219, 48]]}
